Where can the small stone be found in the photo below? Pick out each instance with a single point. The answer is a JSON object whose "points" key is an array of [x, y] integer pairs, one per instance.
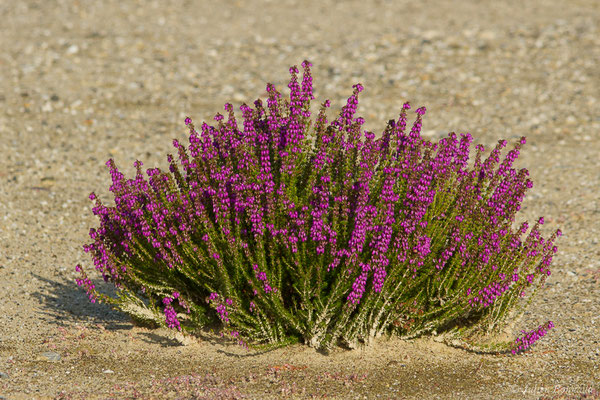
{"points": [[50, 356], [454, 42], [108, 371], [3, 375], [487, 35], [371, 57], [430, 35], [571, 120]]}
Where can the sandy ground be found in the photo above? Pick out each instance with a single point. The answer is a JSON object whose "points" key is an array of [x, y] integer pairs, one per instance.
{"points": [[82, 81]]}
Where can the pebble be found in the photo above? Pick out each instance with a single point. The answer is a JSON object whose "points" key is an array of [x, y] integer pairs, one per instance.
{"points": [[430, 35], [49, 356], [4, 375]]}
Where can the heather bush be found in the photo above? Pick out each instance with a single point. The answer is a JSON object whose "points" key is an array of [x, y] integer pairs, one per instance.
{"points": [[285, 231]]}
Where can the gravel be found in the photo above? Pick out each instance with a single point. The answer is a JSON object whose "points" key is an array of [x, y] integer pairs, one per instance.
{"points": [[84, 81]]}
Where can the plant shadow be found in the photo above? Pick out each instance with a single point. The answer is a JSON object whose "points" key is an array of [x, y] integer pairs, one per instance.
{"points": [[66, 303]]}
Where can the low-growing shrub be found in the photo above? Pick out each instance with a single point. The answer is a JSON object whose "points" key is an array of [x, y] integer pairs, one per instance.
{"points": [[286, 231]]}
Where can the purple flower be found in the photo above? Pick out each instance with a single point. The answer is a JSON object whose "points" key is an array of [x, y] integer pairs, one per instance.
{"points": [[170, 315], [524, 342]]}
